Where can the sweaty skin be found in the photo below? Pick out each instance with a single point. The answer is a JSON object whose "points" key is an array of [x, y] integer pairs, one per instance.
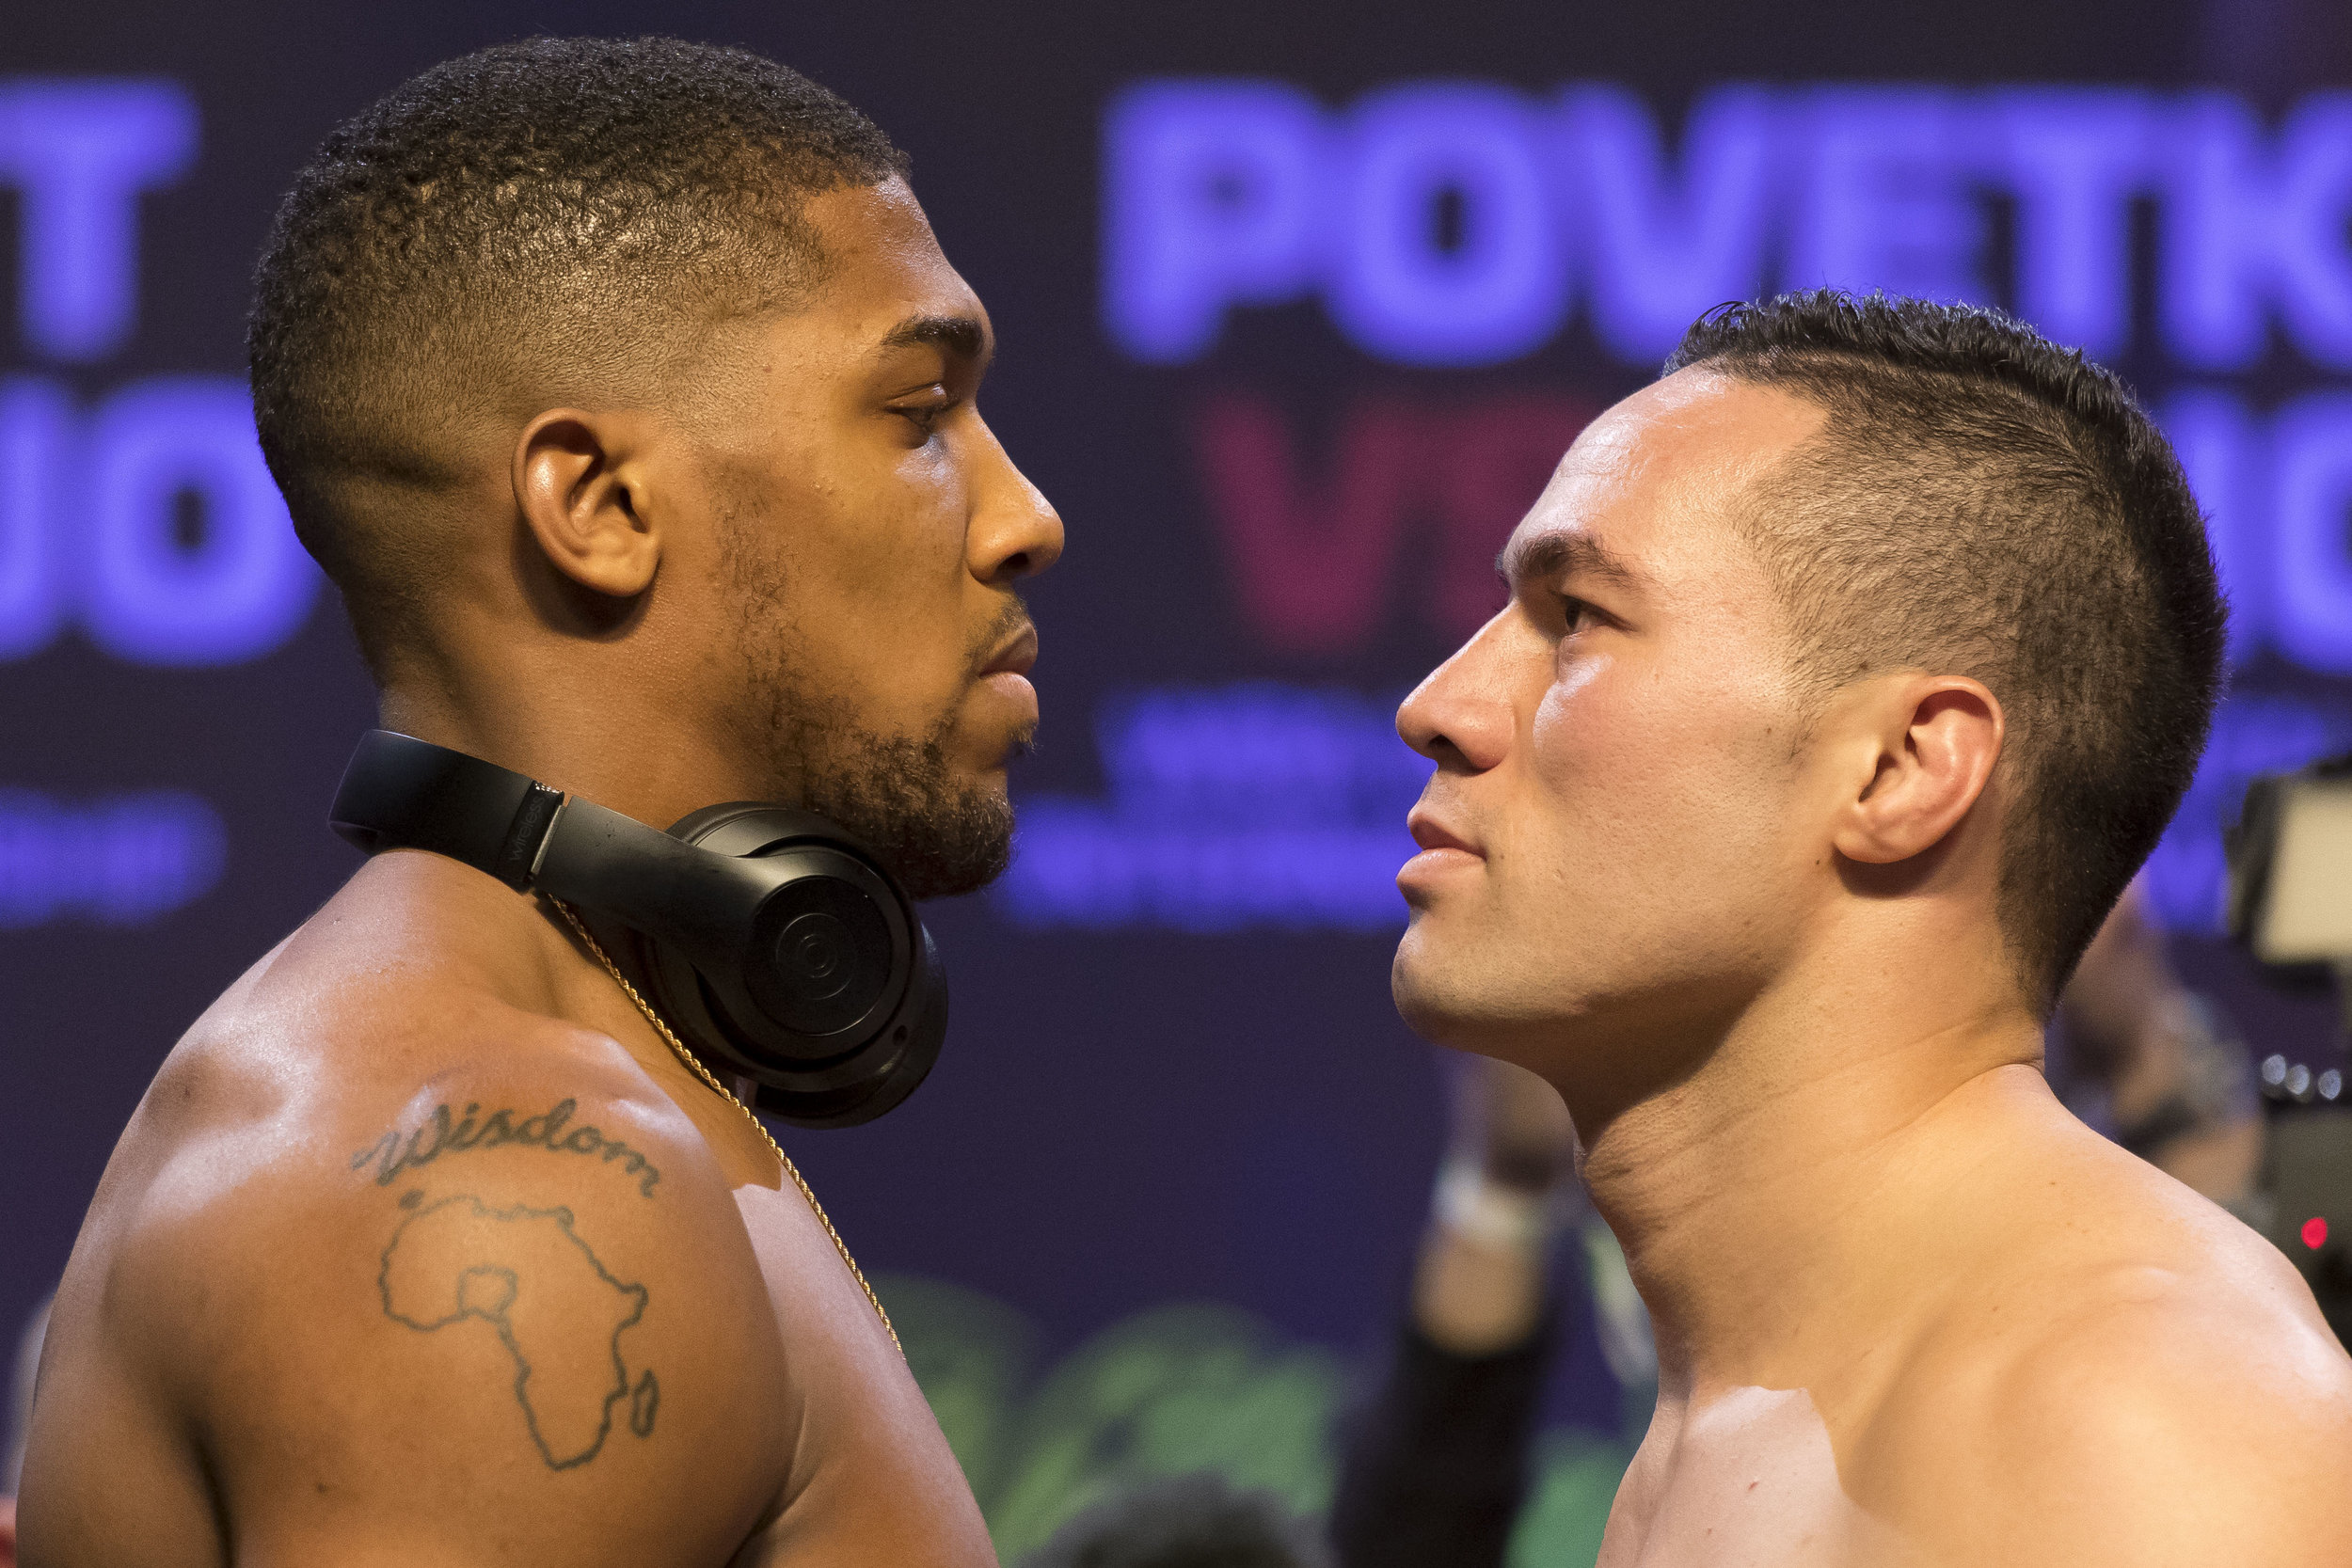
{"points": [[1908, 1309], [422, 1250]]}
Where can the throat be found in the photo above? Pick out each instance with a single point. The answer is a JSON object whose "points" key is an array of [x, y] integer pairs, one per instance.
{"points": [[1772, 1227]]}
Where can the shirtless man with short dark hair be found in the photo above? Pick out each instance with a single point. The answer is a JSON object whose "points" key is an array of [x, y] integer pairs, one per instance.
{"points": [[627, 396], [1849, 670]]}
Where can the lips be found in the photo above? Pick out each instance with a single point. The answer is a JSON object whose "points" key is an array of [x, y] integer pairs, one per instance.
{"points": [[1444, 854], [1432, 834], [1006, 678], [1016, 655]]}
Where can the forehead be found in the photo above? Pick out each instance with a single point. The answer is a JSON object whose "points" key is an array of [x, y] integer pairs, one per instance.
{"points": [[1654, 482], [883, 263]]}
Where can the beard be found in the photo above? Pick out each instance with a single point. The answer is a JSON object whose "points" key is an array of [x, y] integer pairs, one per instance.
{"points": [[937, 836]]}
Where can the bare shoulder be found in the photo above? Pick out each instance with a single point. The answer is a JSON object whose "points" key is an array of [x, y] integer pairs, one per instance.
{"points": [[423, 1271], [2201, 1416], [2162, 1389]]}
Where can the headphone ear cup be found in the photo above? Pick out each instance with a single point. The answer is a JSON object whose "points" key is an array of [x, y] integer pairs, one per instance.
{"points": [[902, 1059], [835, 947]]}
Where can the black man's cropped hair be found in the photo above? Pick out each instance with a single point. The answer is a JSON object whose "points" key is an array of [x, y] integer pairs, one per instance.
{"points": [[1984, 503], [532, 219], [1195, 1521]]}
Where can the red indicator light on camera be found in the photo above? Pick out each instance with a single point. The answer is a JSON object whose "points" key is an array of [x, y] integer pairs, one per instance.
{"points": [[2315, 1232]]}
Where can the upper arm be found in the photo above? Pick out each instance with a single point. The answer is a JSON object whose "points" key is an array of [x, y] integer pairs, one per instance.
{"points": [[536, 1334]]}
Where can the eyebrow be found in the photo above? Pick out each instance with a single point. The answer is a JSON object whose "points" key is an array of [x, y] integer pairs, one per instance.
{"points": [[1561, 554], [960, 337]]}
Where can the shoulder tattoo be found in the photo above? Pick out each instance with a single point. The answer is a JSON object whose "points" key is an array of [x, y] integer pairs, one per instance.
{"points": [[551, 1130], [459, 1261]]}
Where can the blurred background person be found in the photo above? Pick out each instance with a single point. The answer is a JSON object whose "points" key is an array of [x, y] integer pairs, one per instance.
{"points": [[20, 1374], [1438, 1466], [1197, 1521], [2156, 1065]]}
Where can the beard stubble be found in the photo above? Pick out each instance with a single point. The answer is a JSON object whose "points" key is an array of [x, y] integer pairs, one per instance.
{"points": [[937, 836]]}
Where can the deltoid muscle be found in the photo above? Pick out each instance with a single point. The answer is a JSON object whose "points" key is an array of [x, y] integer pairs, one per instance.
{"points": [[525, 1274]]}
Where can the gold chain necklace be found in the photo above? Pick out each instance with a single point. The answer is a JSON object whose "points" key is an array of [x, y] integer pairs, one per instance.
{"points": [[693, 1064]]}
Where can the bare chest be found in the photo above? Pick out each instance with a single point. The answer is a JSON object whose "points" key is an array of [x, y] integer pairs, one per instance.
{"points": [[871, 1478], [1748, 1481]]}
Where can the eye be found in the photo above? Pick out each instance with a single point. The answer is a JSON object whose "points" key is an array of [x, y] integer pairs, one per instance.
{"points": [[1574, 614], [925, 414]]}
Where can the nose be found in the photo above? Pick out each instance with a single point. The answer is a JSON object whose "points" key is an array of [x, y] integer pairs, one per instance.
{"points": [[1015, 533], [1461, 716]]}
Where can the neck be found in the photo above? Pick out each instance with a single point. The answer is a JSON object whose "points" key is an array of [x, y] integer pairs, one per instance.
{"points": [[1792, 1176], [599, 740]]}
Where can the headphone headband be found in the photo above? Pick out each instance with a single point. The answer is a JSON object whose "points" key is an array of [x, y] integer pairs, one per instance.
{"points": [[399, 792], [779, 944]]}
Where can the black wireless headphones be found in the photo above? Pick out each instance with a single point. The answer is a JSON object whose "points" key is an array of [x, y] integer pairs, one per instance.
{"points": [[773, 941]]}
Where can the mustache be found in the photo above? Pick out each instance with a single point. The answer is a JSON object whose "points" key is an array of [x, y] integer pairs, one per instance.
{"points": [[1011, 622]]}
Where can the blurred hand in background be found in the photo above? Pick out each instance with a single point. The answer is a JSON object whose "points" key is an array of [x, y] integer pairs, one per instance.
{"points": [[1507, 1187]]}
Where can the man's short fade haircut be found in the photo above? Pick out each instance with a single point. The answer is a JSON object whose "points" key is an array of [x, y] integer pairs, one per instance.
{"points": [[538, 219], [1984, 503], [1193, 1521]]}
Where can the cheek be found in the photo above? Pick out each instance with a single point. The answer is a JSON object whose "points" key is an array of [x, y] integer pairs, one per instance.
{"points": [[880, 553], [1657, 785], [1601, 744], [895, 523]]}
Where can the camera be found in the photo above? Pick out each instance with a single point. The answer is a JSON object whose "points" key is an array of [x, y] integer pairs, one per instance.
{"points": [[2290, 906]]}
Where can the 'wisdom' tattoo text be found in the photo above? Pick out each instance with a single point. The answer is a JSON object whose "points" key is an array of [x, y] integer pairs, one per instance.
{"points": [[442, 1134]]}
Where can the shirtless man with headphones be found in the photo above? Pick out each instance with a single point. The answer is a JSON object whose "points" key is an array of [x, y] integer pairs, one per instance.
{"points": [[627, 396]]}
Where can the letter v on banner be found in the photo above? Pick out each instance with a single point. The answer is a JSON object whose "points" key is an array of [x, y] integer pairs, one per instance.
{"points": [[1311, 562], [1497, 459]]}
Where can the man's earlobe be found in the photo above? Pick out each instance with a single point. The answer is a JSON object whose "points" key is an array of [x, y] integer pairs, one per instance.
{"points": [[1939, 737], [577, 494]]}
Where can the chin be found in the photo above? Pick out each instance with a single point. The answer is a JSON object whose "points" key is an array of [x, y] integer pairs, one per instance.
{"points": [[1475, 993], [988, 769], [1420, 994]]}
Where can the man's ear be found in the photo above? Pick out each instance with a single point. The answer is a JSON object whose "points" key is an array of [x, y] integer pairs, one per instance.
{"points": [[576, 489], [1936, 739]]}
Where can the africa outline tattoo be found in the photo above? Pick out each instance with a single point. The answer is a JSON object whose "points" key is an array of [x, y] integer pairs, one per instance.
{"points": [[499, 1132], [478, 1261]]}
